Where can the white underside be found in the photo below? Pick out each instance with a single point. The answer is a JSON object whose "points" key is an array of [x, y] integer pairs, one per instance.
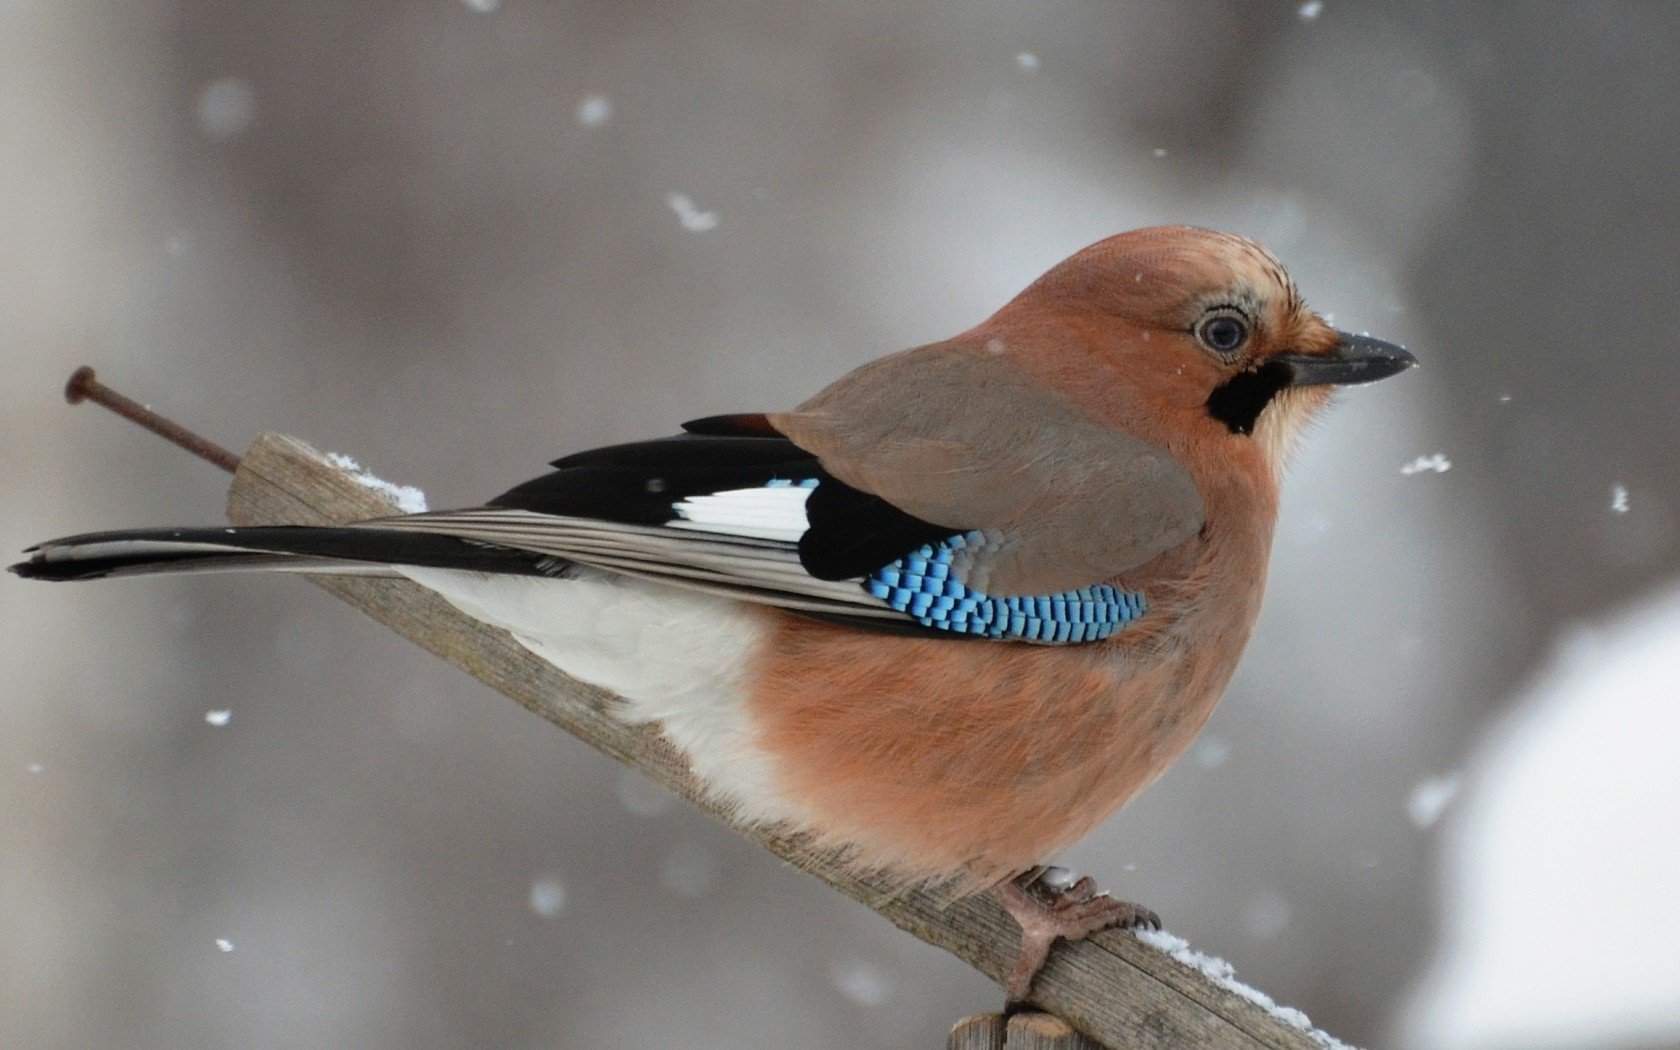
{"points": [[675, 656]]}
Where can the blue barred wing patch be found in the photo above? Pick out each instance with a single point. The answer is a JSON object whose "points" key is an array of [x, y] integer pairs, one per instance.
{"points": [[920, 585]]}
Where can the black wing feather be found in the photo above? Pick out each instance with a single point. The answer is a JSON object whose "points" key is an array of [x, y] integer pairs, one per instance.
{"points": [[637, 483], [340, 543], [852, 533]]}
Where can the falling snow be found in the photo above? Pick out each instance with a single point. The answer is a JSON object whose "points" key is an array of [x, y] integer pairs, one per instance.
{"points": [[35, 769], [1158, 152], [1437, 463], [862, 983], [1431, 797], [594, 111], [693, 219], [1027, 60], [226, 108], [219, 717], [641, 796], [1224, 974], [1619, 499], [408, 499], [1310, 10], [482, 7], [1211, 752], [690, 870], [548, 897], [223, 944], [1265, 915]]}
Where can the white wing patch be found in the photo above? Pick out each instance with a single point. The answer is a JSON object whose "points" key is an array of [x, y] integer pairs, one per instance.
{"points": [[676, 657], [772, 512]]}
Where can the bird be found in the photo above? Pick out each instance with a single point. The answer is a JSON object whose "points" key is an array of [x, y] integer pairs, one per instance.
{"points": [[945, 616]]}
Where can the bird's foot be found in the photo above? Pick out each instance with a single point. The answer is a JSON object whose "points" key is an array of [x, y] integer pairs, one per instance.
{"points": [[1052, 903]]}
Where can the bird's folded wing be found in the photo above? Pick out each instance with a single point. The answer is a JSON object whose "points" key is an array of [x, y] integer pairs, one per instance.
{"points": [[961, 436], [898, 512], [751, 561]]}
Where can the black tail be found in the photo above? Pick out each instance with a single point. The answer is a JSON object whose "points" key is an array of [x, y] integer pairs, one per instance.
{"points": [[271, 548]]}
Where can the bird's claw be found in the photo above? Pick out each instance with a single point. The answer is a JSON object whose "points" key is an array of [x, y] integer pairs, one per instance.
{"points": [[1048, 906]]}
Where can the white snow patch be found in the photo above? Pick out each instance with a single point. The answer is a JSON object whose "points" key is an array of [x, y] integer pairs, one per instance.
{"points": [[689, 214], [1224, 974], [408, 499], [1435, 463], [547, 897], [862, 983], [1027, 60], [1310, 10], [219, 717], [1430, 798], [226, 108], [1619, 499], [223, 944], [594, 111], [1560, 868]]}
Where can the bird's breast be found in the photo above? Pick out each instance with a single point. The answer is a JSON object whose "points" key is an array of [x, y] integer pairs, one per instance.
{"points": [[931, 758], [935, 758]]}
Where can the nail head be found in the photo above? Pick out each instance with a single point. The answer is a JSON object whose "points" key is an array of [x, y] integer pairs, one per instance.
{"points": [[76, 390]]}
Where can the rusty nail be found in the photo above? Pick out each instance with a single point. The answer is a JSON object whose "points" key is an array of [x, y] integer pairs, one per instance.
{"points": [[84, 385]]}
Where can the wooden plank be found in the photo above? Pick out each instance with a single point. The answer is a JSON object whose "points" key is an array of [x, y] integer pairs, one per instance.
{"points": [[1035, 1031], [980, 1032], [1112, 987]]}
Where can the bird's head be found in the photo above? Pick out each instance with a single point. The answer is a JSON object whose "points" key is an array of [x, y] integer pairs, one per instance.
{"points": [[1198, 335]]}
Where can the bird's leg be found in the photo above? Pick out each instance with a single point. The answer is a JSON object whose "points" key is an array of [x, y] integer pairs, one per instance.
{"points": [[1050, 903]]}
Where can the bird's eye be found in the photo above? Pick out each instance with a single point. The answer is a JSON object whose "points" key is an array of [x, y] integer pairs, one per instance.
{"points": [[1222, 333]]}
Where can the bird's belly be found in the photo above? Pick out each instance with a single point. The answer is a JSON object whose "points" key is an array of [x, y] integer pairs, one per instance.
{"points": [[937, 759], [922, 757], [676, 658]]}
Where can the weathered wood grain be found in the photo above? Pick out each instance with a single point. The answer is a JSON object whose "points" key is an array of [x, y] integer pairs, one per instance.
{"points": [[1112, 987], [1034, 1031], [980, 1032]]}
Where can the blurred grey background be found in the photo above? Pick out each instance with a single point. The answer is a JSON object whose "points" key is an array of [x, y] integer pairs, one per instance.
{"points": [[455, 240]]}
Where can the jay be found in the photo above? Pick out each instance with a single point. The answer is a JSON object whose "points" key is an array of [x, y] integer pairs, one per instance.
{"points": [[947, 615]]}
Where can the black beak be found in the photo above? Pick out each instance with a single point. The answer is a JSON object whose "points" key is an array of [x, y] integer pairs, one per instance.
{"points": [[1356, 359]]}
